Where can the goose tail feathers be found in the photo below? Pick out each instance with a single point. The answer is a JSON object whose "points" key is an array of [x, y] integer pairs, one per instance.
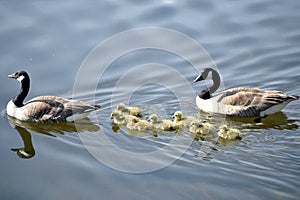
{"points": [[96, 106], [295, 97]]}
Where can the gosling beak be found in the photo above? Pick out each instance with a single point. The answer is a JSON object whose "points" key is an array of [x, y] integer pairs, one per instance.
{"points": [[199, 78]]}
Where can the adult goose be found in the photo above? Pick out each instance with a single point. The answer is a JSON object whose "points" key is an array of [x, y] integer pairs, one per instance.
{"points": [[45, 109], [239, 101]]}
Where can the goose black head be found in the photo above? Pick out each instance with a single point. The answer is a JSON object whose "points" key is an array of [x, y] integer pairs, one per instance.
{"points": [[209, 74], [20, 75], [206, 74]]}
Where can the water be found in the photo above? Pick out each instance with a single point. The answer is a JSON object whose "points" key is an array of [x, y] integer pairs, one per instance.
{"points": [[252, 43]]}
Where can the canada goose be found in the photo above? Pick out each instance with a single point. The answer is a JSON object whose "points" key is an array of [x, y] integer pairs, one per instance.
{"points": [[183, 121], [240, 101], [229, 133], [119, 118], [138, 124], [45, 109], [203, 127], [135, 111], [163, 125]]}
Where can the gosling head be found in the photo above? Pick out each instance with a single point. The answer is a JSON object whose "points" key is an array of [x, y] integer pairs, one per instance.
{"points": [[115, 114], [121, 107], [153, 118], [224, 128], [196, 124], [177, 116]]}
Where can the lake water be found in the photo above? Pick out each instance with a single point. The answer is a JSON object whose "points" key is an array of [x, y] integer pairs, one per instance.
{"points": [[255, 43]]}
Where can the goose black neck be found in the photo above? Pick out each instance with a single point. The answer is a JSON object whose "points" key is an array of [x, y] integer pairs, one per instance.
{"points": [[216, 81], [25, 85], [28, 146], [206, 94]]}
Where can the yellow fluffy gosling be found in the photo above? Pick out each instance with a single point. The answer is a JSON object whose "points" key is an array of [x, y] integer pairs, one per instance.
{"points": [[183, 121], [135, 111], [138, 124], [196, 127], [163, 125], [203, 127], [229, 133], [118, 118]]}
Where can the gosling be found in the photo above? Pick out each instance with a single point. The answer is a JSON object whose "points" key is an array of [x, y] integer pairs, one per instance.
{"points": [[229, 133], [203, 127], [196, 130], [135, 111], [183, 121], [138, 124], [196, 127], [118, 118], [163, 125]]}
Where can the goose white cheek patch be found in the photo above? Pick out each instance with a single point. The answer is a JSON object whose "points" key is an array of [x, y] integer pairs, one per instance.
{"points": [[209, 76], [20, 79]]}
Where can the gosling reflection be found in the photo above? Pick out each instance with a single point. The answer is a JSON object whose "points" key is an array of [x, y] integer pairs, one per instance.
{"points": [[23, 129]]}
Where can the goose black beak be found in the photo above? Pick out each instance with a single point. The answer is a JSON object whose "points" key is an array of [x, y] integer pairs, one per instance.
{"points": [[23, 154], [199, 78], [12, 76]]}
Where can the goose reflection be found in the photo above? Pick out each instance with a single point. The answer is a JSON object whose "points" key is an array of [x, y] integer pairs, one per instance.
{"points": [[24, 128], [28, 150], [276, 121]]}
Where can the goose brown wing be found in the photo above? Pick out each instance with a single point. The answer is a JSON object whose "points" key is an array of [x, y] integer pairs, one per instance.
{"points": [[74, 106], [242, 97], [50, 98], [249, 102], [55, 109], [44, 110]]}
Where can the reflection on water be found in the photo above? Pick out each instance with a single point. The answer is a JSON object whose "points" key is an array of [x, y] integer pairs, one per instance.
{"points": [[49, 129], [28, 150], [276, 121], [135, 133]]}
